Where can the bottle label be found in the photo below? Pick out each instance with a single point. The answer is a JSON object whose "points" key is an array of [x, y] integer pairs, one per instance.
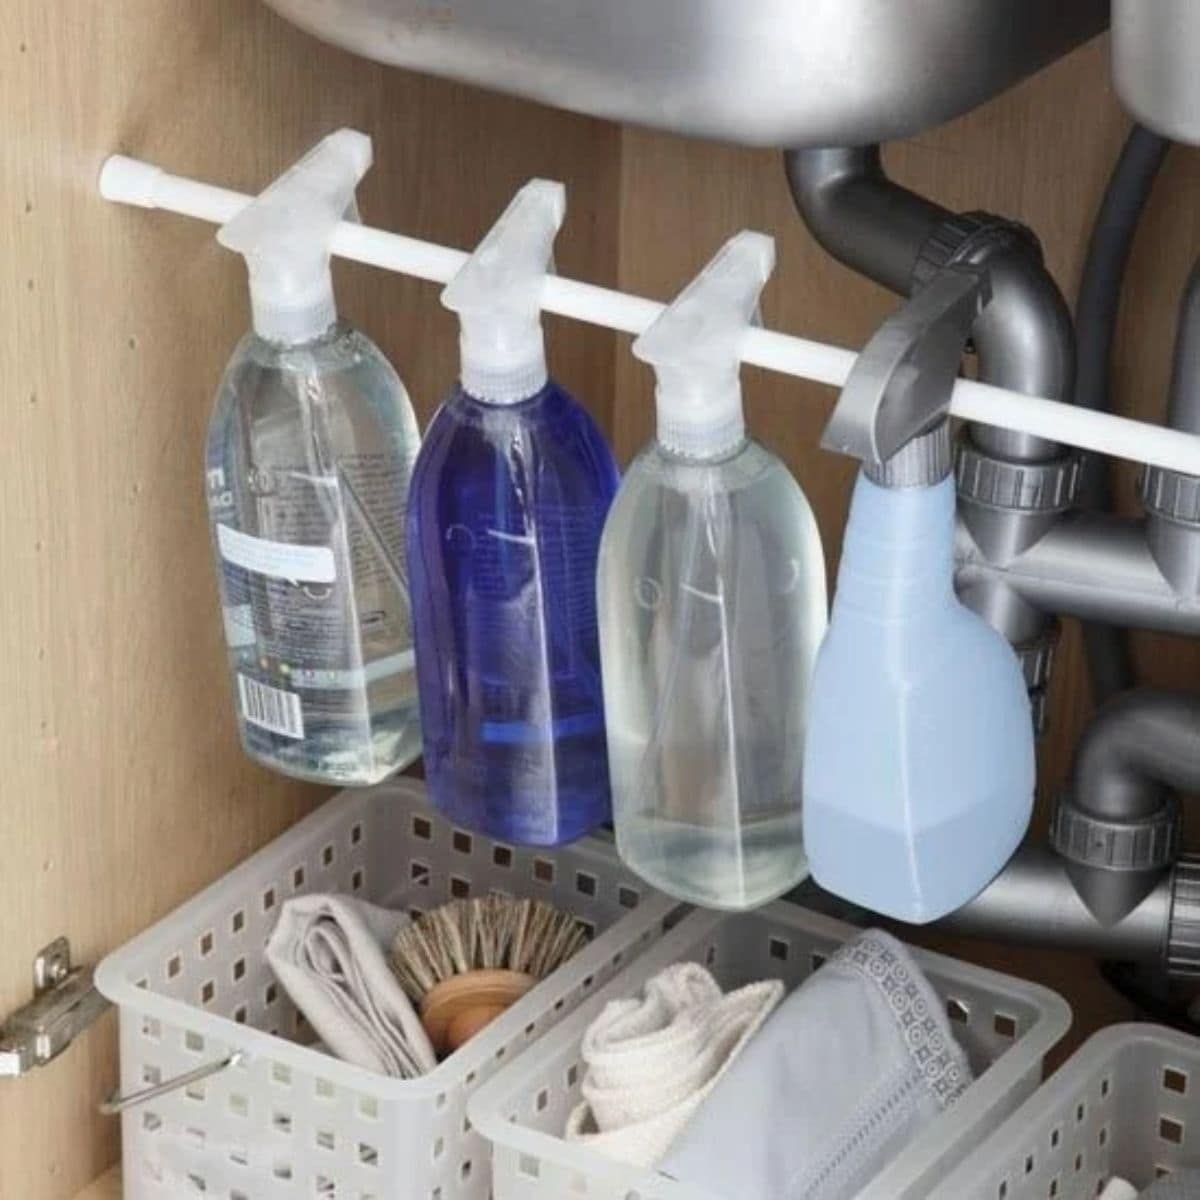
{"points": [[280, 560], [239, 626], [272, 709], [314, 602]]}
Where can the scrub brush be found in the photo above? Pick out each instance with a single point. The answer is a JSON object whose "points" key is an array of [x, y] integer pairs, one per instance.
{"points": [[463, 964]]}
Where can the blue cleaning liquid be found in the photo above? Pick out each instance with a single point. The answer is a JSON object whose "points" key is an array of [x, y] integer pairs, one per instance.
{"points": [[505, 514]]}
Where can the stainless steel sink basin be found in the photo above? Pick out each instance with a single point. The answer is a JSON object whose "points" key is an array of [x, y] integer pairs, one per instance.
{"points": [[762, 72]]}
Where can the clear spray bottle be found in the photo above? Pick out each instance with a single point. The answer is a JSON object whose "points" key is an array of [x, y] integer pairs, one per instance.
{"points": [[310, 451], [713, 603]]}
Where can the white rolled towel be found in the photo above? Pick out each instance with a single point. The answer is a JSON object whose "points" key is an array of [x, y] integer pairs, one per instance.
{"points": [[651, 1060], [330, 954]]}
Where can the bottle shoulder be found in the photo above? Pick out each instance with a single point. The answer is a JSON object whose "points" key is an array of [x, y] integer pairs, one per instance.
{"points": [[551, 432], [743, 476], [341, 377], [341, 364], [341, 347], [552, 408]]}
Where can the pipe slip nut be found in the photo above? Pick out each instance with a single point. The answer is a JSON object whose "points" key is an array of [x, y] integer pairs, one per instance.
{"points": [[1172, 495], [971, 238], [1183, 930], [1037, 656], [1017, 486], [1141, 844], [1037, 665]]}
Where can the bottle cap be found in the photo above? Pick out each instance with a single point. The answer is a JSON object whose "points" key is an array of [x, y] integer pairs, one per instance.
{"points": [[497, 295], [285, 235], [694, 349], [922, 462]]}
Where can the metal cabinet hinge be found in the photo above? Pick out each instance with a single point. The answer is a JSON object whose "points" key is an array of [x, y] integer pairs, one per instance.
{"points": [[64, 1004]]}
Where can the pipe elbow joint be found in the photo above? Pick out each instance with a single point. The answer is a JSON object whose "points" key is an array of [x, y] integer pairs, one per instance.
{"points": [[1138, 747], [858, 215]]}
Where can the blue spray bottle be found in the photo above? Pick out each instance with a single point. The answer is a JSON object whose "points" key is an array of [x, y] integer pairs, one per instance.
{"points": [[508, 501], [919, 760]]}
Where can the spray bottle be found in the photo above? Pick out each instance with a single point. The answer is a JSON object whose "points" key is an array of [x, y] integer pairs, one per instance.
{"points": [[919, 767], [712, 606], [310, 452], [508, 502]]}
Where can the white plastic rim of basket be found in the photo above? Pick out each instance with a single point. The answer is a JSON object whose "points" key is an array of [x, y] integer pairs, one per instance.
{"points": [[1004, 1150]]}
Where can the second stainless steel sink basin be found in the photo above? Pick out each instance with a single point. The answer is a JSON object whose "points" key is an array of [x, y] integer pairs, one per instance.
{"points": [[761, 72]]}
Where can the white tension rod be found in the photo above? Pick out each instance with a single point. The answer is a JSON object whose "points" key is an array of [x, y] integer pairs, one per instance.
{"points": [[131, 181]]}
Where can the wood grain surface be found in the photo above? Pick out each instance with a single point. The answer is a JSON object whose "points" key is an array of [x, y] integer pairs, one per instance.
{"points": [[123, 789], [107, 1187]]}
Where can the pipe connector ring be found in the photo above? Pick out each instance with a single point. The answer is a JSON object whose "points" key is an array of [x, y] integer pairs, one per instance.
{"points": [[1037, 656], [1037, 664], [1017, 486], [1172, 495], [971, 237], [1143, 844], [1183, 929]]}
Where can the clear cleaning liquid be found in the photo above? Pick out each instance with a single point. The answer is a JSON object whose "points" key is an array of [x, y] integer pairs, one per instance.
{"points": [[739, 868], [310, 454], [712, 607]]}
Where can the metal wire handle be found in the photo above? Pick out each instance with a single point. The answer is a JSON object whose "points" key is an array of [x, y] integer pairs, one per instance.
{"points": [[116, 1103]]}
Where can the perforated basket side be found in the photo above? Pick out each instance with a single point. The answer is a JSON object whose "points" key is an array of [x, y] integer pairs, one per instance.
{"points": [[290, 1120], [1127, 1103], [1006, 1025]]}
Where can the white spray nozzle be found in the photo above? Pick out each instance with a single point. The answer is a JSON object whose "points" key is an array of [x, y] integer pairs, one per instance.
{"points": [[694, 348], [285, 235], [498, 297]]}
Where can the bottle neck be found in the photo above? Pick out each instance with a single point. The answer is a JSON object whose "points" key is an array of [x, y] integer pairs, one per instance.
{"points": [[898, 552], [284, 346], [701, 422], [502, 369], [292, 316]]}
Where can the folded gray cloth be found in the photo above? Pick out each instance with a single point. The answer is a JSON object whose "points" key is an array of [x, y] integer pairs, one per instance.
{"points": [[330, 955], [835, 1084]]}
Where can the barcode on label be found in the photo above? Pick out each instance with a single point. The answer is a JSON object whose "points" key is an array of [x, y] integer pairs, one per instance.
{"points": [[270, 708]]}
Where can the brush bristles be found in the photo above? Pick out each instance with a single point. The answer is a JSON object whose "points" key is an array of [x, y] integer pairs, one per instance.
{"points": [[491, 933]]}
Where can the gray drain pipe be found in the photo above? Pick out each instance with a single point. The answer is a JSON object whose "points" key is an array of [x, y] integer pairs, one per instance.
{"points": [[1096, 310], [1024, 341], [1114, 883]]}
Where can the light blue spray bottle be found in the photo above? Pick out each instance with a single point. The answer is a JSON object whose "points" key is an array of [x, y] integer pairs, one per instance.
{"points": [[919, 762]]}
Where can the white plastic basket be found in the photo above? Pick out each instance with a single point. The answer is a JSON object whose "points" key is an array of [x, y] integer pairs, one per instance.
{"points": [[1127, 1103], [1005, 1025], [285, 1119]]}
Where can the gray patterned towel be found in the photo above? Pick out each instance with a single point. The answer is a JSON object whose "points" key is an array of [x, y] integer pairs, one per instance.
{"points": [[845, 1073]]}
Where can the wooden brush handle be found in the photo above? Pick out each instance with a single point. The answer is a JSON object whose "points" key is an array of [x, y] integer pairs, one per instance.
{"points": [[457, 1009]]}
